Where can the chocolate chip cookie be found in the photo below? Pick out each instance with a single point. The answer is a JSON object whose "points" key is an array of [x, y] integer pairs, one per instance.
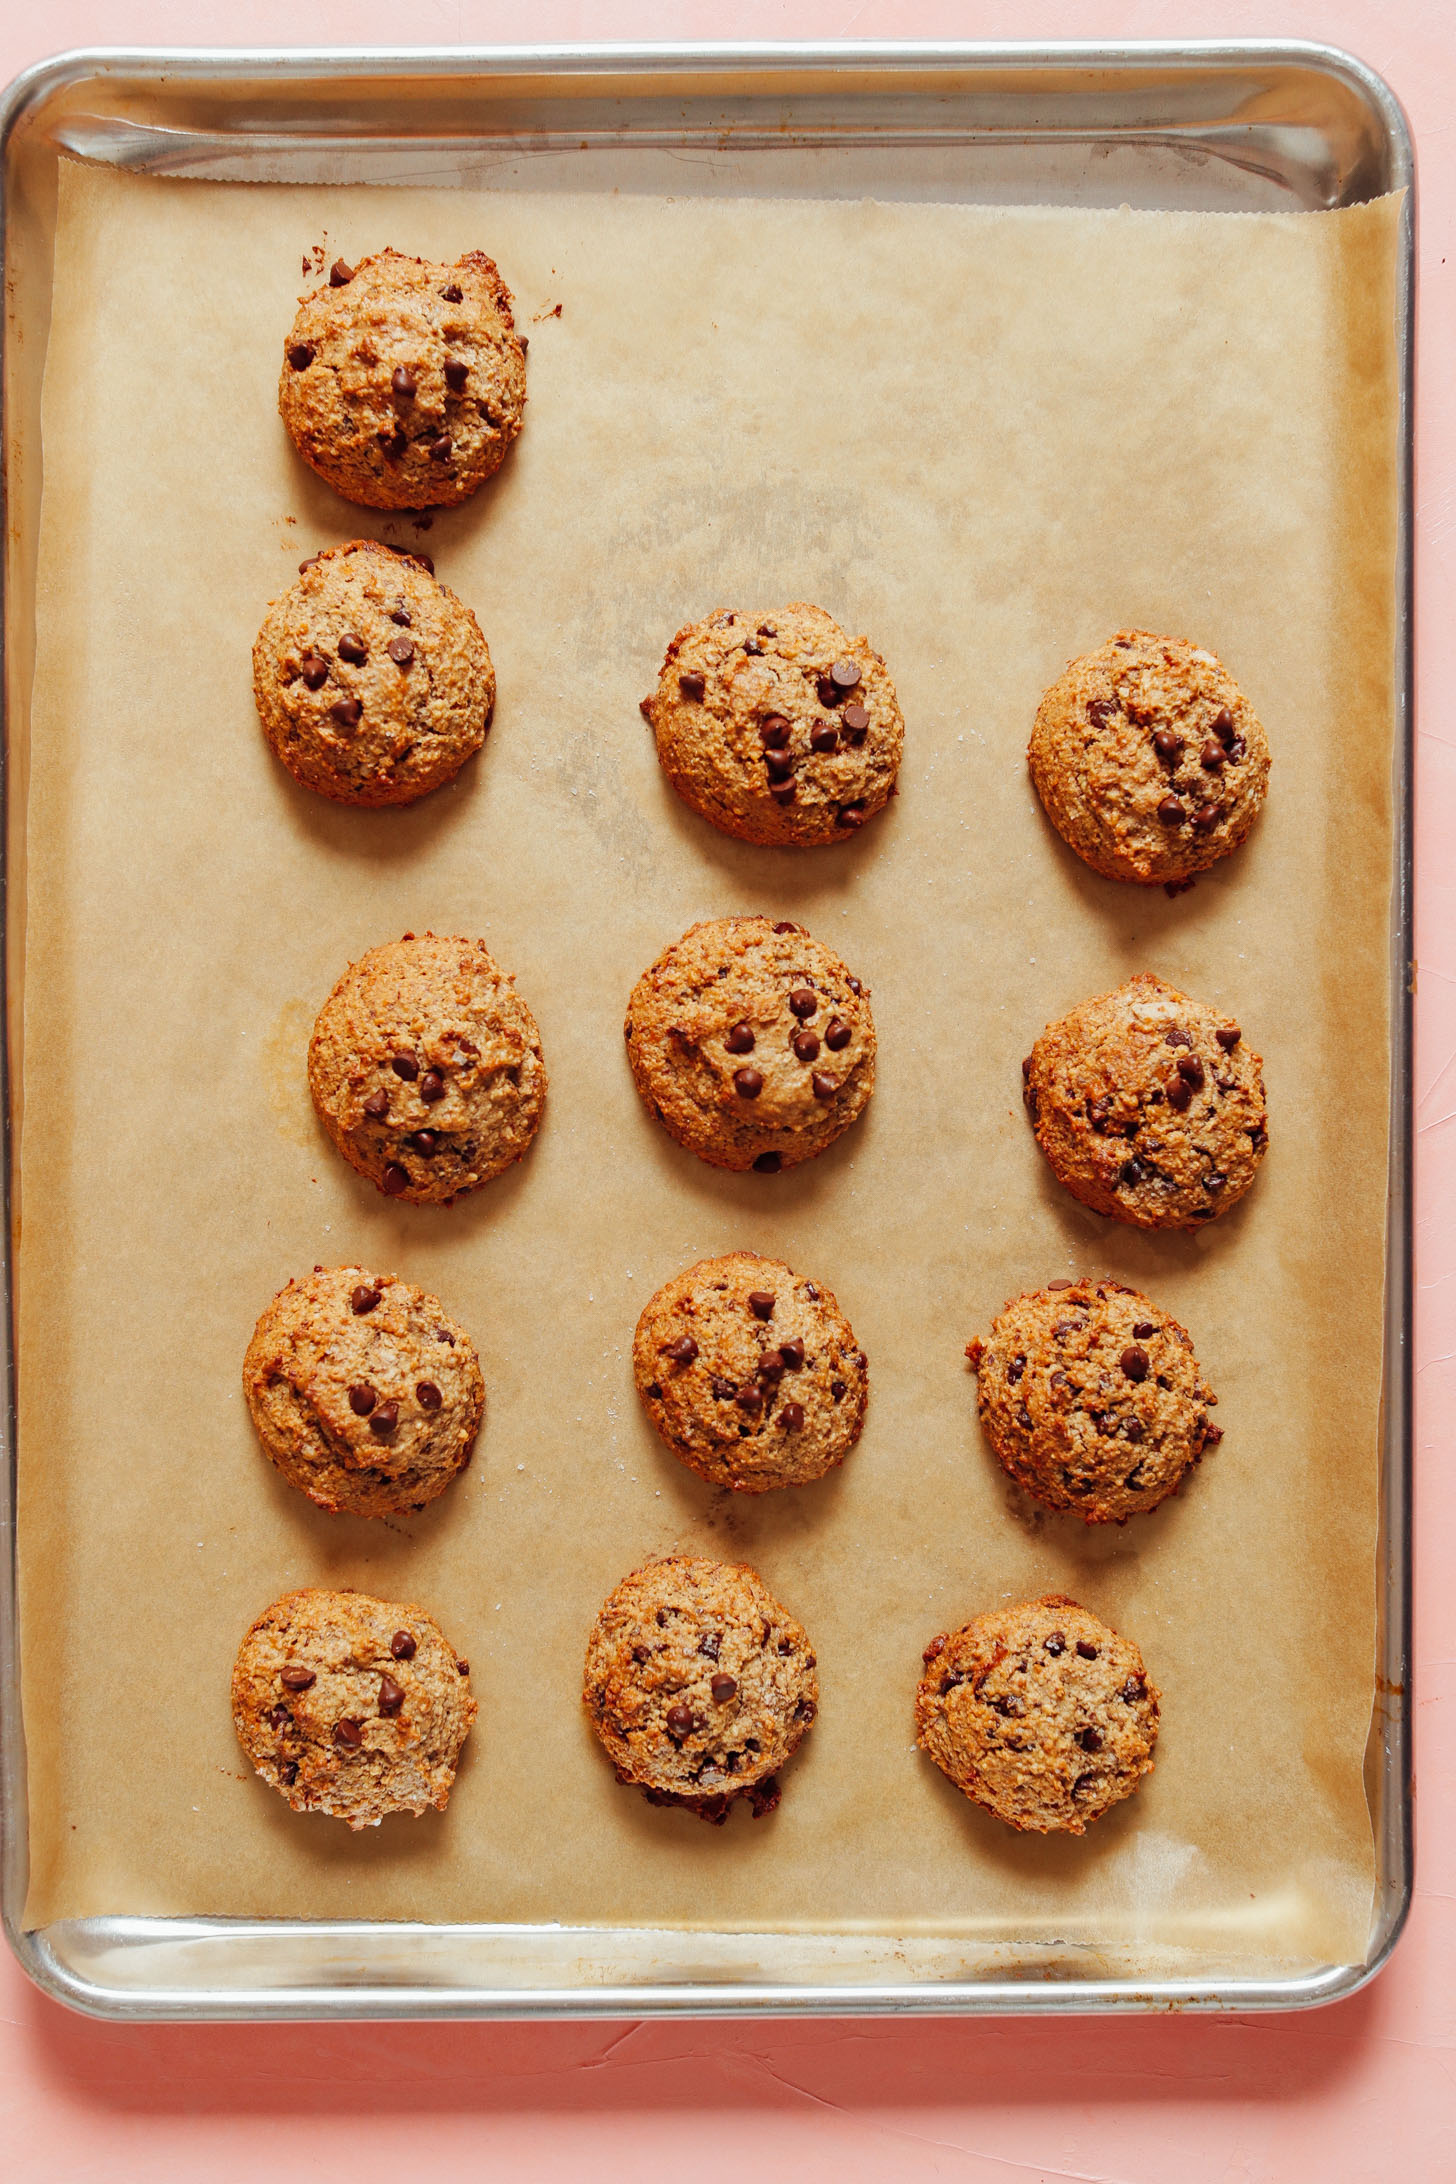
{"points": [[1038, 1712], [366, 1396], [403, 382], [751, 1043], [425, 1067], [776, 726], [699, 1684], [352, 1706], [1149, 759], [1149, 1106], [372, 680], [1092, 1398], [751, 1375]]}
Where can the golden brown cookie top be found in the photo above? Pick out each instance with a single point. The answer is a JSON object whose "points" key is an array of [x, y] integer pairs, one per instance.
{"points": [[404, 381], [1151, 762], [1148, 1105], [372, 680], [752, 1043], [776, 726], [352, 1706], [1040, 1713], [1092, 1398], [699, 1684], [365, 1394], [750, 1374], [425, 1067]]}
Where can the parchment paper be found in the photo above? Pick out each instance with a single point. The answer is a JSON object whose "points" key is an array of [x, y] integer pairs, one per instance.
{"points": [[987, 438]]}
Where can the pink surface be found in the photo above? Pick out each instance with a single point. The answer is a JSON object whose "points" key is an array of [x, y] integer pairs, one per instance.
{"points": [[1363, 2090]]}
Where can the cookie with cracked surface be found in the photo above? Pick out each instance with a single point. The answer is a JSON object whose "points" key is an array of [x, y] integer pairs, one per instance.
{"points": [[1092, 1398], [425, 1067], [1149, 1106], [364, 1393], [403, 381], [751, 1043], [372, 680], [699, 1684], [1149, 759], [352, 1706], [1040, 1713], [751, 1375], [776, 726]]}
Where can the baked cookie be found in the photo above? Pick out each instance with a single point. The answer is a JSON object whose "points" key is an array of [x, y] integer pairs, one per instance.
{"points": [[425, 1067], [751, 1375], [352, 1706], [403, 382], [1092, 1398], [365, 1395], [1038, 1712], [372, 680], [776, 726], [1149, 1106], [699, 1684], [1149, 759], [751, 1043]]}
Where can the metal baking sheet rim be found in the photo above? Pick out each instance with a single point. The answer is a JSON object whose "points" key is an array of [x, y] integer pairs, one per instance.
{"points": [[71, 1961]]}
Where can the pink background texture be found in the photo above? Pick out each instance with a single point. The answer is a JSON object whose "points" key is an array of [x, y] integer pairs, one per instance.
{"points": [[1364, 2090]]}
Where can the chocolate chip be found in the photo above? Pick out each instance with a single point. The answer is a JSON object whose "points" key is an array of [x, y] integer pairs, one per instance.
{"points": [[739, 1039], [724, 1688], [806, 1046], [401, 651], [785, 926], [1222, 725], [1214, 1180], [314, 669], [792, 1353], [1212, 756], [753, 648], [680, 1722], [640, 1653], [823, 1087], [779, 765], [824, 737], [1088, 1653], [462, 1668], [457, 371], [362, 1300], [404, 383], [432, 1087], [1023, 1417], [749, 1397], [1132, 1691], [722, 1389], [854, 985], [825, 690], [1206, 818], [783, 792], [427, 1395], [384, 1421], [768, 1163], [1177, 1037], [425, 1141], [1180, 1095], [394, 1180], [296, 1678], [288, 1773], [1083, 1782], [694, 687], [349, 1733], [402, 615], [761, 1303], [1143, 1329], [311, 562], [1134, 1363], [300, 355], [405, 1065], [348, 712], [279, 1720], [856, 723], [353, 648], [845, 674], [391, 1695], [1015, 1370], [1168, 746], [440, 449], [1090, 1739], [376, 1107], [682, 1351], [1171, 812], [747, 1083], [1132, 1429], [1212, 1435], [852, 815], [340, 274], [770, 1366], [773, 732], [1238, 748], [1061, 1283], [453, 294], [402, 1646], [1131, 1173], [838, 1390], [803, 1002], [791, 1417], [1190, 1069], [837, 1034], [1228, 1037], [1099, 1113], [1054, 1643], [362, 1399]]}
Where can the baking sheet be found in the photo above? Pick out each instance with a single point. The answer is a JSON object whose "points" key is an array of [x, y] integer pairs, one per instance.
{"points": [[987, 439]]}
